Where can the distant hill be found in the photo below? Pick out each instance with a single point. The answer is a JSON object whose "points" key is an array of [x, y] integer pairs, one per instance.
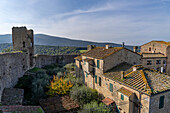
{"points": [[42, 39]]}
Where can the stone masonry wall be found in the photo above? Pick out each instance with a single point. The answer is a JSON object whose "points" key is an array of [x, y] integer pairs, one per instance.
{"points": [[12, 66], [42, 60], [154, 48], [154, 103], [119, 57]]}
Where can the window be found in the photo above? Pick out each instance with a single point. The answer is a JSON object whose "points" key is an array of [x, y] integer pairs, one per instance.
{"points": [[164, 62], [161, 102], [98, 63], [150, 49], [111, 87], [99, 81], [158, 61], [86, 75], [149, 62], [122, 97], [96, 79]]}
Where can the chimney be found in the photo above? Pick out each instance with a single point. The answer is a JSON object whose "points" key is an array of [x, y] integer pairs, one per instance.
{"points": [[122, 74], [135, 49], [90, 47], [123, 44], [107, 46], [134, 68]]}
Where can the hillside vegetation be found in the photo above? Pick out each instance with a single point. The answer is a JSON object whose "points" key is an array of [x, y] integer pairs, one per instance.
{"points": [[49, 50]]}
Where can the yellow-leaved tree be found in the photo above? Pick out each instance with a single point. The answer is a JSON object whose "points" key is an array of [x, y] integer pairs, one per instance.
{"points": [[59, 86]]}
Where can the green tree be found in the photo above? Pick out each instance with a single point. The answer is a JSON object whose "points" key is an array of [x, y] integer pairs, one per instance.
{"points": [[94, 107], [83, 94]]}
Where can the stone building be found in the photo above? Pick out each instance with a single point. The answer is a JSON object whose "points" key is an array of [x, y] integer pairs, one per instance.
{"points": [[134, 89], [156, 55]]}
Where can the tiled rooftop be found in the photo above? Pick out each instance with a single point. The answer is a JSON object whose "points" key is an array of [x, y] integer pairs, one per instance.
{"points": [[125, 91], [162, 42], [101, 52], [145, 80], [107, 101], [152, 55]]}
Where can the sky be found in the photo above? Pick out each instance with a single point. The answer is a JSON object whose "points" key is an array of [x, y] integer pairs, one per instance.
{"points": [[116, 21]]}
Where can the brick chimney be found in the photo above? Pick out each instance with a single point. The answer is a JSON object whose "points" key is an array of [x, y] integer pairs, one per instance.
{"points": [[107, 46], [135, 49], [90, 47], [134, 68]]}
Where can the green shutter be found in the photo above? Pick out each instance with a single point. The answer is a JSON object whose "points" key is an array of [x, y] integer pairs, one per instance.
{"points": [[96, 79], [86, 75], [98, 63], [122, 97], [161, 102], [111, 87], [99, 81]]}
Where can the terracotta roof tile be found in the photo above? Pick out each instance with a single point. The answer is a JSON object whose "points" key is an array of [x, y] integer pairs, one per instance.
{"points": [[101, 52], [145, 80], [162, 42], [125, 91], [107, 101]]}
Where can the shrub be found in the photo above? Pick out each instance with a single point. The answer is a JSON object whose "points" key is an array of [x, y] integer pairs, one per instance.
{"points": [[83, 94], [94, 107], [76, 81], [59, 86], [70, 67]]}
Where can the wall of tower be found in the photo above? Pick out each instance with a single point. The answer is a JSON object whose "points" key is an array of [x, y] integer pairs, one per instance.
{"points": [[23, 40]]}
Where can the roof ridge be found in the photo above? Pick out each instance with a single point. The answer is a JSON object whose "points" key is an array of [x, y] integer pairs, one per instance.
{"points": [[129, 73], [146, 82], [118, 49]]}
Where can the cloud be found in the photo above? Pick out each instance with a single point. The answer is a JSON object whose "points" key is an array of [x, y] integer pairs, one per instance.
{"points": [[134, 22]]}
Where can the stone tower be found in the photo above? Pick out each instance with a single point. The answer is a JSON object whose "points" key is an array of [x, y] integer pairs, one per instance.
{"points": [[23, 40]]}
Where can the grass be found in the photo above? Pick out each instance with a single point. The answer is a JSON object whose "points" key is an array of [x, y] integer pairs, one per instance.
{"points": [[39, 110], [33, 70], [82, 51]]}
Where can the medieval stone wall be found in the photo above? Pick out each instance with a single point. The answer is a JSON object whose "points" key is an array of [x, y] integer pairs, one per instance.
{"points": [[42, 60], [12, 66]]}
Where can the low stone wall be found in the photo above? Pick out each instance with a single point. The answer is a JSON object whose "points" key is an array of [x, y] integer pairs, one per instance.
{"points": [[42, 60]]}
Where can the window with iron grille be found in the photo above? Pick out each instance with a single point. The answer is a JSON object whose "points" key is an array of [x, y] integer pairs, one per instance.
{"points": [[158, 61], [149, 62]]}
